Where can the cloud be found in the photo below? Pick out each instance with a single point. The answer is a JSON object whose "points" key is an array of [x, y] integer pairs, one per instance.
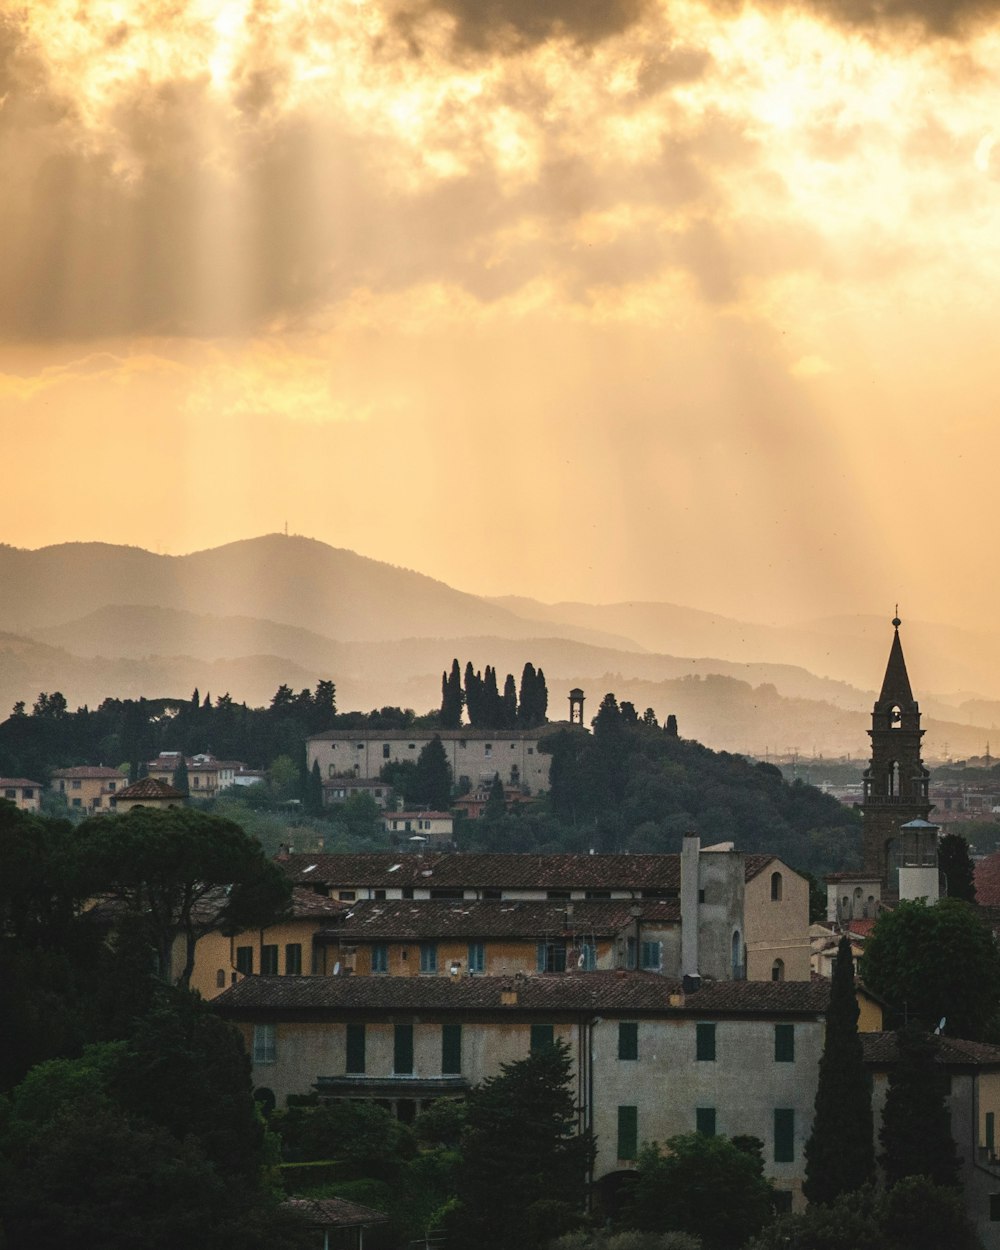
{"points": [[513, 25]]}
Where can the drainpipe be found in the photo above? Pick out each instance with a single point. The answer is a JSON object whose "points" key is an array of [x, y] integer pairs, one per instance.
{"points": [[690, 857]]}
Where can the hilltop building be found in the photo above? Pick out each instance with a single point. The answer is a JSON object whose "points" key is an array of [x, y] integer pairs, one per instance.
{"points": [[22, 792], [89, 787]]}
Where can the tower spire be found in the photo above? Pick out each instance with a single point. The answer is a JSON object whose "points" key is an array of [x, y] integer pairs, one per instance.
{"points": [[896, 683]]}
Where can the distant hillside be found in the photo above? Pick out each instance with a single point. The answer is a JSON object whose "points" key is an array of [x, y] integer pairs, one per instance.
{"points": [[94, 620]]}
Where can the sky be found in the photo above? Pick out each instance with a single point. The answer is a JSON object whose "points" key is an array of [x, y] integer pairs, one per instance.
{"points": [[577, 299]]}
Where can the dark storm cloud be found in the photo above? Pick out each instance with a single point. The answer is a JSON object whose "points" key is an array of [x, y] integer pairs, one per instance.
{"points": [[937, 17], [510, 25]]}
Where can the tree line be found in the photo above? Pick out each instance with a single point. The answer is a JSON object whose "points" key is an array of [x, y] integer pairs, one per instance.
{"points": [[489, 707]]}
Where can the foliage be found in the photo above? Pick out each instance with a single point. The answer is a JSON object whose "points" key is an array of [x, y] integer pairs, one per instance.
{"points": [[628, 1240], [852, 1220], [840, 1151], [452, 698], [678, 1189], [919, 1215], [524, 1166], [432, 778], [916, 1123], [179, 871], [934, 963], [442, 1123], [364, 1138], [955, 866]]}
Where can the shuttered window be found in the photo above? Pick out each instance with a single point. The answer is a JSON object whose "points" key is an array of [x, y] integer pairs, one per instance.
{"points": [[451, 1049], [628, 1132], [355, 1048]]}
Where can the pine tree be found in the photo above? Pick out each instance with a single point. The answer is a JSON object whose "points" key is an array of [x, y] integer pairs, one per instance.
{"points": [[840, 1152], [916, 1124], [609, 717]]}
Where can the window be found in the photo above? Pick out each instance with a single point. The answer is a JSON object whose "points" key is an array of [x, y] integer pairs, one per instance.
{"points": [[76, 802], [551, 956], [557, 894], [784, 1135], [377, 894], [220, 979], [630, 952], [477, 957], [112, 786], [778, 970], [75, 785], [705, 1041], [776, 887], [492, 892], [269, 961], [542, 1035], [628, 1040], [402, 1049], [588, 956], [385, 750], [347, 896], [649, 956], [628, 1132], [597, 893], [244, 960], [361, 746], [264, 1044], [991, 1133], [784, 1043], [704, 1121], [451, 1050], [488, 749], [355, 1049], [293, 959], [29, 792], [380, 957], [428, 957]]}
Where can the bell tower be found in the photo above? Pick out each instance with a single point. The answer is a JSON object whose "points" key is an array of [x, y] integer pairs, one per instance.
{"points": [[895, 782]]}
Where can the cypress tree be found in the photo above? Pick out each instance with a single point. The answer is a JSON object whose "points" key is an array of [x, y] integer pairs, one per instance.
{"points": [[840, 1152], [314, 789], [526, 711], [180, 777], [451, 697], [541, 700], [509, 704], [496, 803], [492, 711], [474, 696], [955, 866], [916, 1124], [670, 727], [432, 777]]}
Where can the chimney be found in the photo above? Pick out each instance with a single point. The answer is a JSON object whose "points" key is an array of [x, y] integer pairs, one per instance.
{"points": [[690, 856]]}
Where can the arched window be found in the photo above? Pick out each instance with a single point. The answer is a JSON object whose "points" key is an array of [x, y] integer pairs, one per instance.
{"points": [[893, 778], [778, 970], [220, 979], [776, 887], [737, 956], [895, 716]]}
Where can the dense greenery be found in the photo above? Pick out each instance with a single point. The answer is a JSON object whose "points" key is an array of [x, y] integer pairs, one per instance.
{"points": [[916, 1122], [956, 868], [710, 1187], [840, 1155], [935, 963]]}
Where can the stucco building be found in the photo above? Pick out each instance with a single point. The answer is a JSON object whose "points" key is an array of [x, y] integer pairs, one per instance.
{"points": [[22, 792], [88, 787]]}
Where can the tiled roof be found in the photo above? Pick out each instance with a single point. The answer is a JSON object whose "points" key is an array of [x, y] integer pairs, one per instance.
{"points": [[426, 735], [334, 1212], [755, 864], [987, 879], [148, 788], [489, 918], [19, 781], [862, 927], [881, 1049], [396, 815], [87, 772], [307, 903], [574, 992]]}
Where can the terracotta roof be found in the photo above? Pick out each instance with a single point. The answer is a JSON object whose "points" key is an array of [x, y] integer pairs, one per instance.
{"points": [[334, 1212], [755, 864], [492, 918], [881, 1049], [574, 992], [395, 815], [987, 879], [148, 788], [19, 781], [86, 771], [307, 903], [466, 733], [862, 927]]}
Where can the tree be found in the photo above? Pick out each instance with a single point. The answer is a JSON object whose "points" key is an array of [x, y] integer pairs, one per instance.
{"points": [[432, 779], [955, 866], [524, 1166], [916, 1123], [706, 1186], [496, 801], [670, 726], [181, 873], [934, 963], [853, 1221], [314, 789], [840, 1154], [609, 717], [451, 697], [180, 778], [508, 704], [474, 696], [284, 777]]}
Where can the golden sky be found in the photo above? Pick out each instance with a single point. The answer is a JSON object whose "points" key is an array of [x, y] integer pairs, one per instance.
{"points": [[586, 299]]}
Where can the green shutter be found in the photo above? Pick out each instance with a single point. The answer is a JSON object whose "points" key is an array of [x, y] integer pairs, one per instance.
{"points": [[784, 1135], [628, 1132], [704, 1121], [402, 1049], [451, 1049], [293, 959], [628, 1040], [784, 1043], [705, 1041], [355, 1049], [541, 1035], [991, 1133]]}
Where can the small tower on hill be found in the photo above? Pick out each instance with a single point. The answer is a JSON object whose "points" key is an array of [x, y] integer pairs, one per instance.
{"points": [[895, 782]]}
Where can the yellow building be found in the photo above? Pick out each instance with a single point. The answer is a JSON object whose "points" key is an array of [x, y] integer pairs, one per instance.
{"points": [[88, 787], [24, 794], [146, 793]]}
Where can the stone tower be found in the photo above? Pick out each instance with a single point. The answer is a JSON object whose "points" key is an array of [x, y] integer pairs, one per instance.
{"points": [[895, 781]]}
